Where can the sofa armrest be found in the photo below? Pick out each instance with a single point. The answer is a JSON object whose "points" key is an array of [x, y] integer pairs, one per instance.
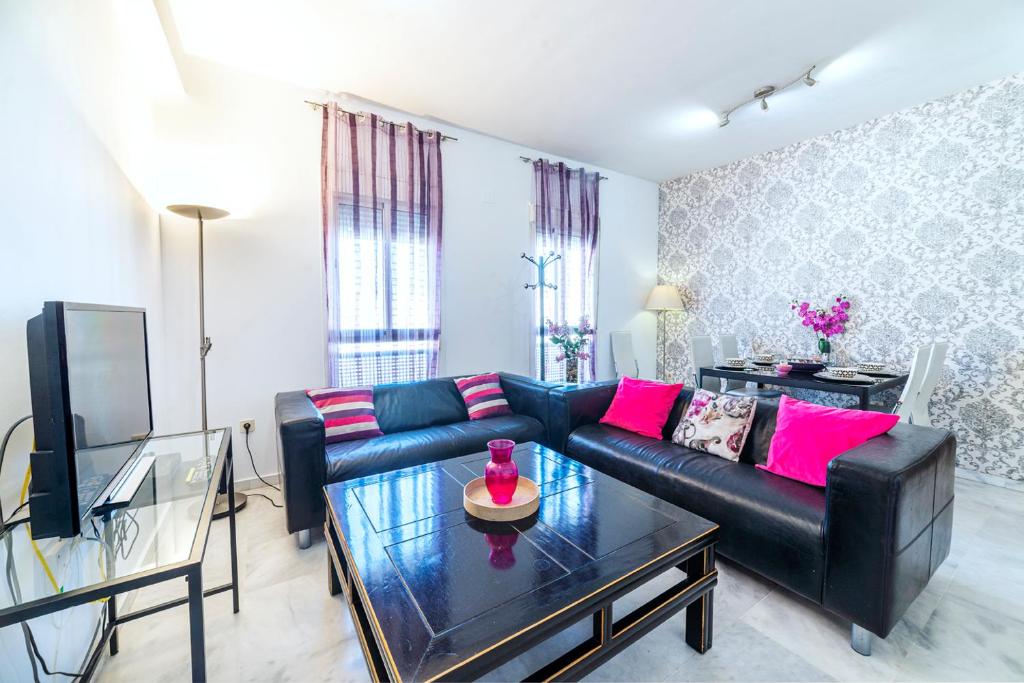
{"points": [[574, 405], [301, 459], [888, 523], [528, 396]]}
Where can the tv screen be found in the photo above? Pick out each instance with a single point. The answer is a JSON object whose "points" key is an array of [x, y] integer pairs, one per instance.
{"points": [[89, 373]]}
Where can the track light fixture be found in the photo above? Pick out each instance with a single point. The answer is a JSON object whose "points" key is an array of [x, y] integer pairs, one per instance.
{"points": [[762, 94]]}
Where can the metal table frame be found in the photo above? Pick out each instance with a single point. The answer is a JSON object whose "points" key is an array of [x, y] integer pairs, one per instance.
{"points": [[191, 569], [863, 392]]}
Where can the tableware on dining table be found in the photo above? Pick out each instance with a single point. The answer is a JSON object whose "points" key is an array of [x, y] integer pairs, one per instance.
{"points": [[736, 363], [843, 373], [783, 369], [805, 365], [764, 358], [870, 366], [857, 378], [883, 374]]}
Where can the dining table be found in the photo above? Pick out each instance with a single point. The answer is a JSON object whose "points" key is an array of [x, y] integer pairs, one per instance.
{"points": [[767, 376]]}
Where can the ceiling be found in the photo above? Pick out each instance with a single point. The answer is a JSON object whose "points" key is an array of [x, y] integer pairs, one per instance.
{"points": [[631, 86]]}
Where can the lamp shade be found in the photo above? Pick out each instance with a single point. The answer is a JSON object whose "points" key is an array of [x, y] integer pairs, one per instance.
{"points": [[664, 298], [207, 213]]}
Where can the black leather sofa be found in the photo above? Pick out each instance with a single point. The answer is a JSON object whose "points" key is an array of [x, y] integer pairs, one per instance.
{"points": [[863, 547], [422, 422]]}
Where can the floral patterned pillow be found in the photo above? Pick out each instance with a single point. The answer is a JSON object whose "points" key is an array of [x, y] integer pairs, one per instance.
{"points": [[716, 424]]}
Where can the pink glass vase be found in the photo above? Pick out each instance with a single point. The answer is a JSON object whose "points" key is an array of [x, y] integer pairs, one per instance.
{"points": [[501, 474]]}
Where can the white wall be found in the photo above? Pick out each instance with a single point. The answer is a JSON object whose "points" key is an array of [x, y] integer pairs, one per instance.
{"points": [[73, 228], [260, 159]]}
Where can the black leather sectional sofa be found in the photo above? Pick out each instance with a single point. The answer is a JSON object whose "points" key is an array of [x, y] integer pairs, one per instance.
{"points": [[863, 547]]}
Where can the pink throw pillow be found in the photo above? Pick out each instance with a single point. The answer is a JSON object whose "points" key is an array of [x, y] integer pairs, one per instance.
{"points": [[808, 436], [641, 406]]}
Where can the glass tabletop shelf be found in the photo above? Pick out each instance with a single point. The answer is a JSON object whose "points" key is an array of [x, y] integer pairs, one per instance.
{"points": [[162, 530]]}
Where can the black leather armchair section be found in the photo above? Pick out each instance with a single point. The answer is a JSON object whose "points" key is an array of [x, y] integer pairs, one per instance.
{"points": [[573, 406], [528, 396], [888, 524], [422, 422], [300, 459]]}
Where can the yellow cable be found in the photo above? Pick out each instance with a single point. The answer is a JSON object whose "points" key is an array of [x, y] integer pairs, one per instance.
{"points": [[39, 553]]}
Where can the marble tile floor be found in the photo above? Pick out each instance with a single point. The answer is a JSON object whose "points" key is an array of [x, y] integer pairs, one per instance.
{"points": [[967, 625]]}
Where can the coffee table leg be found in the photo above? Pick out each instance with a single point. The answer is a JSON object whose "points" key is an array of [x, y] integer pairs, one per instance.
{"points": [[699, 614]]}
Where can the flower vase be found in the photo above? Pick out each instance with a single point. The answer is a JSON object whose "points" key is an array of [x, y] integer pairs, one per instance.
{"points": [[501, 474], [572, 370], [825, 348]]}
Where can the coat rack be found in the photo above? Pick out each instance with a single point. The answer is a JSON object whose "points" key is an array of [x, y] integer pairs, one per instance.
{"points": [[541, 263]]}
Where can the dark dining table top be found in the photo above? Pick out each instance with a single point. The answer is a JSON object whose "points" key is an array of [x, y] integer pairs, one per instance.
{"points": [[802, 380]]}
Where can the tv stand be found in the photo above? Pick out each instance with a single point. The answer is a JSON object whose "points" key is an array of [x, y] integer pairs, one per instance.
{"points": [[160, 536]]}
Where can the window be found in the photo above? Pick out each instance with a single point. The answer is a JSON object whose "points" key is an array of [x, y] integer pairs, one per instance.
{"points": [[386, 329], [573, 299], [381, 194], [566, 221]]}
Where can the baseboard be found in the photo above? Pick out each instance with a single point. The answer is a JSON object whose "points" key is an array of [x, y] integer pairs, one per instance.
{"points": [[255, 483], [990, 479]]}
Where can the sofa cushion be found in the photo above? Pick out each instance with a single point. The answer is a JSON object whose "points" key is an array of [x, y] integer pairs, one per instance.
{"points": [[348, 413], [641, 406], [808, 436], [416, 405], [352, 459], [716, 424], [483, 396], [770, 524]]}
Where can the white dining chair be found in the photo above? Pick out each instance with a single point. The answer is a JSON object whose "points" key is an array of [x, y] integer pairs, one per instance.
{"points": [[702, 354], [918, 368], [735, 387], [623, 357], [730, 348], [936, 361]]}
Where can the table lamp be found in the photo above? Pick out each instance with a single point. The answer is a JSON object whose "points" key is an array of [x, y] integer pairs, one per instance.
{"points": [[206, 213], [663, 298]]}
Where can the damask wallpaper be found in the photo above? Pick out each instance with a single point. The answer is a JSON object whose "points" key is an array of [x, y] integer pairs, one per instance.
{"points": [[917, 216]]}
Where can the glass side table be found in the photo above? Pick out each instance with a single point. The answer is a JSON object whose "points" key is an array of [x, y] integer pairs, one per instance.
{"points": [[159, 537]]}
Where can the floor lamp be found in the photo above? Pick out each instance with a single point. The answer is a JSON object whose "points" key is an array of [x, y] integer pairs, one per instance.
{"points": [[206, 213], [663, 298]]}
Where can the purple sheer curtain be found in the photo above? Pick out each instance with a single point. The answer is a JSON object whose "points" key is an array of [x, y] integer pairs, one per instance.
{"points": [[381, 194], [566, 222]]}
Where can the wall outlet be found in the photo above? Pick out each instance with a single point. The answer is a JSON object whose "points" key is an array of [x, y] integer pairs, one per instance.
{"points": [[249, 422]]}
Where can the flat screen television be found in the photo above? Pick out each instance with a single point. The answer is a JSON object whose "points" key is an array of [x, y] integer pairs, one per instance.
{"points": [[91, 407]]}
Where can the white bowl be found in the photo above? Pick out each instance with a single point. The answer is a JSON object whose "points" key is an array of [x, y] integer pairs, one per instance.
{"points": [[871, 366], [843, 373], [735, 362]]}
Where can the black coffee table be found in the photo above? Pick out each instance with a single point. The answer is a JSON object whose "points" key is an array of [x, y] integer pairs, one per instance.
{"points": [[437, 594]]}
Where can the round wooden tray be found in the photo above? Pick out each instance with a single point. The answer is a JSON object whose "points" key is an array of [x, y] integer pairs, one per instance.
{"points": [[477, 501]]}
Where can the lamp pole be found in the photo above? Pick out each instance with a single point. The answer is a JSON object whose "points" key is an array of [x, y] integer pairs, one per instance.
{"points": [[206, 213]]}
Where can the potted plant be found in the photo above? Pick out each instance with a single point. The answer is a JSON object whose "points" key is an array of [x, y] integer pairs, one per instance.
{"points": [[824, 323], [572, 340]]}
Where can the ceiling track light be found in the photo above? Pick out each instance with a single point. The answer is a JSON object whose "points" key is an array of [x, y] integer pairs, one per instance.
{"points": [[762, 94]]}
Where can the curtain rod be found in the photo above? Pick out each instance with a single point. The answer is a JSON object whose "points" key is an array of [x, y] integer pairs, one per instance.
{"points": [[528, 160], [321, 105]]}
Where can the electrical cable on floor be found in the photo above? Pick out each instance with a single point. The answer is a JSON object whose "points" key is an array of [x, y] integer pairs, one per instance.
{"points": [[258, 475], [3, 451]]}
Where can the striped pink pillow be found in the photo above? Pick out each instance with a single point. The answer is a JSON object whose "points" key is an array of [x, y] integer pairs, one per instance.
{"points": [[483, 396], [348, 413]]}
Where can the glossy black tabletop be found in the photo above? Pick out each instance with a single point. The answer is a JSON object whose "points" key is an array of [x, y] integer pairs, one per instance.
{"points": [[444, 586]]}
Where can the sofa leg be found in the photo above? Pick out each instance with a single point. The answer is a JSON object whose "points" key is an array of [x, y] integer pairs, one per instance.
{"points": [[304, 538], [860, 640]]}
